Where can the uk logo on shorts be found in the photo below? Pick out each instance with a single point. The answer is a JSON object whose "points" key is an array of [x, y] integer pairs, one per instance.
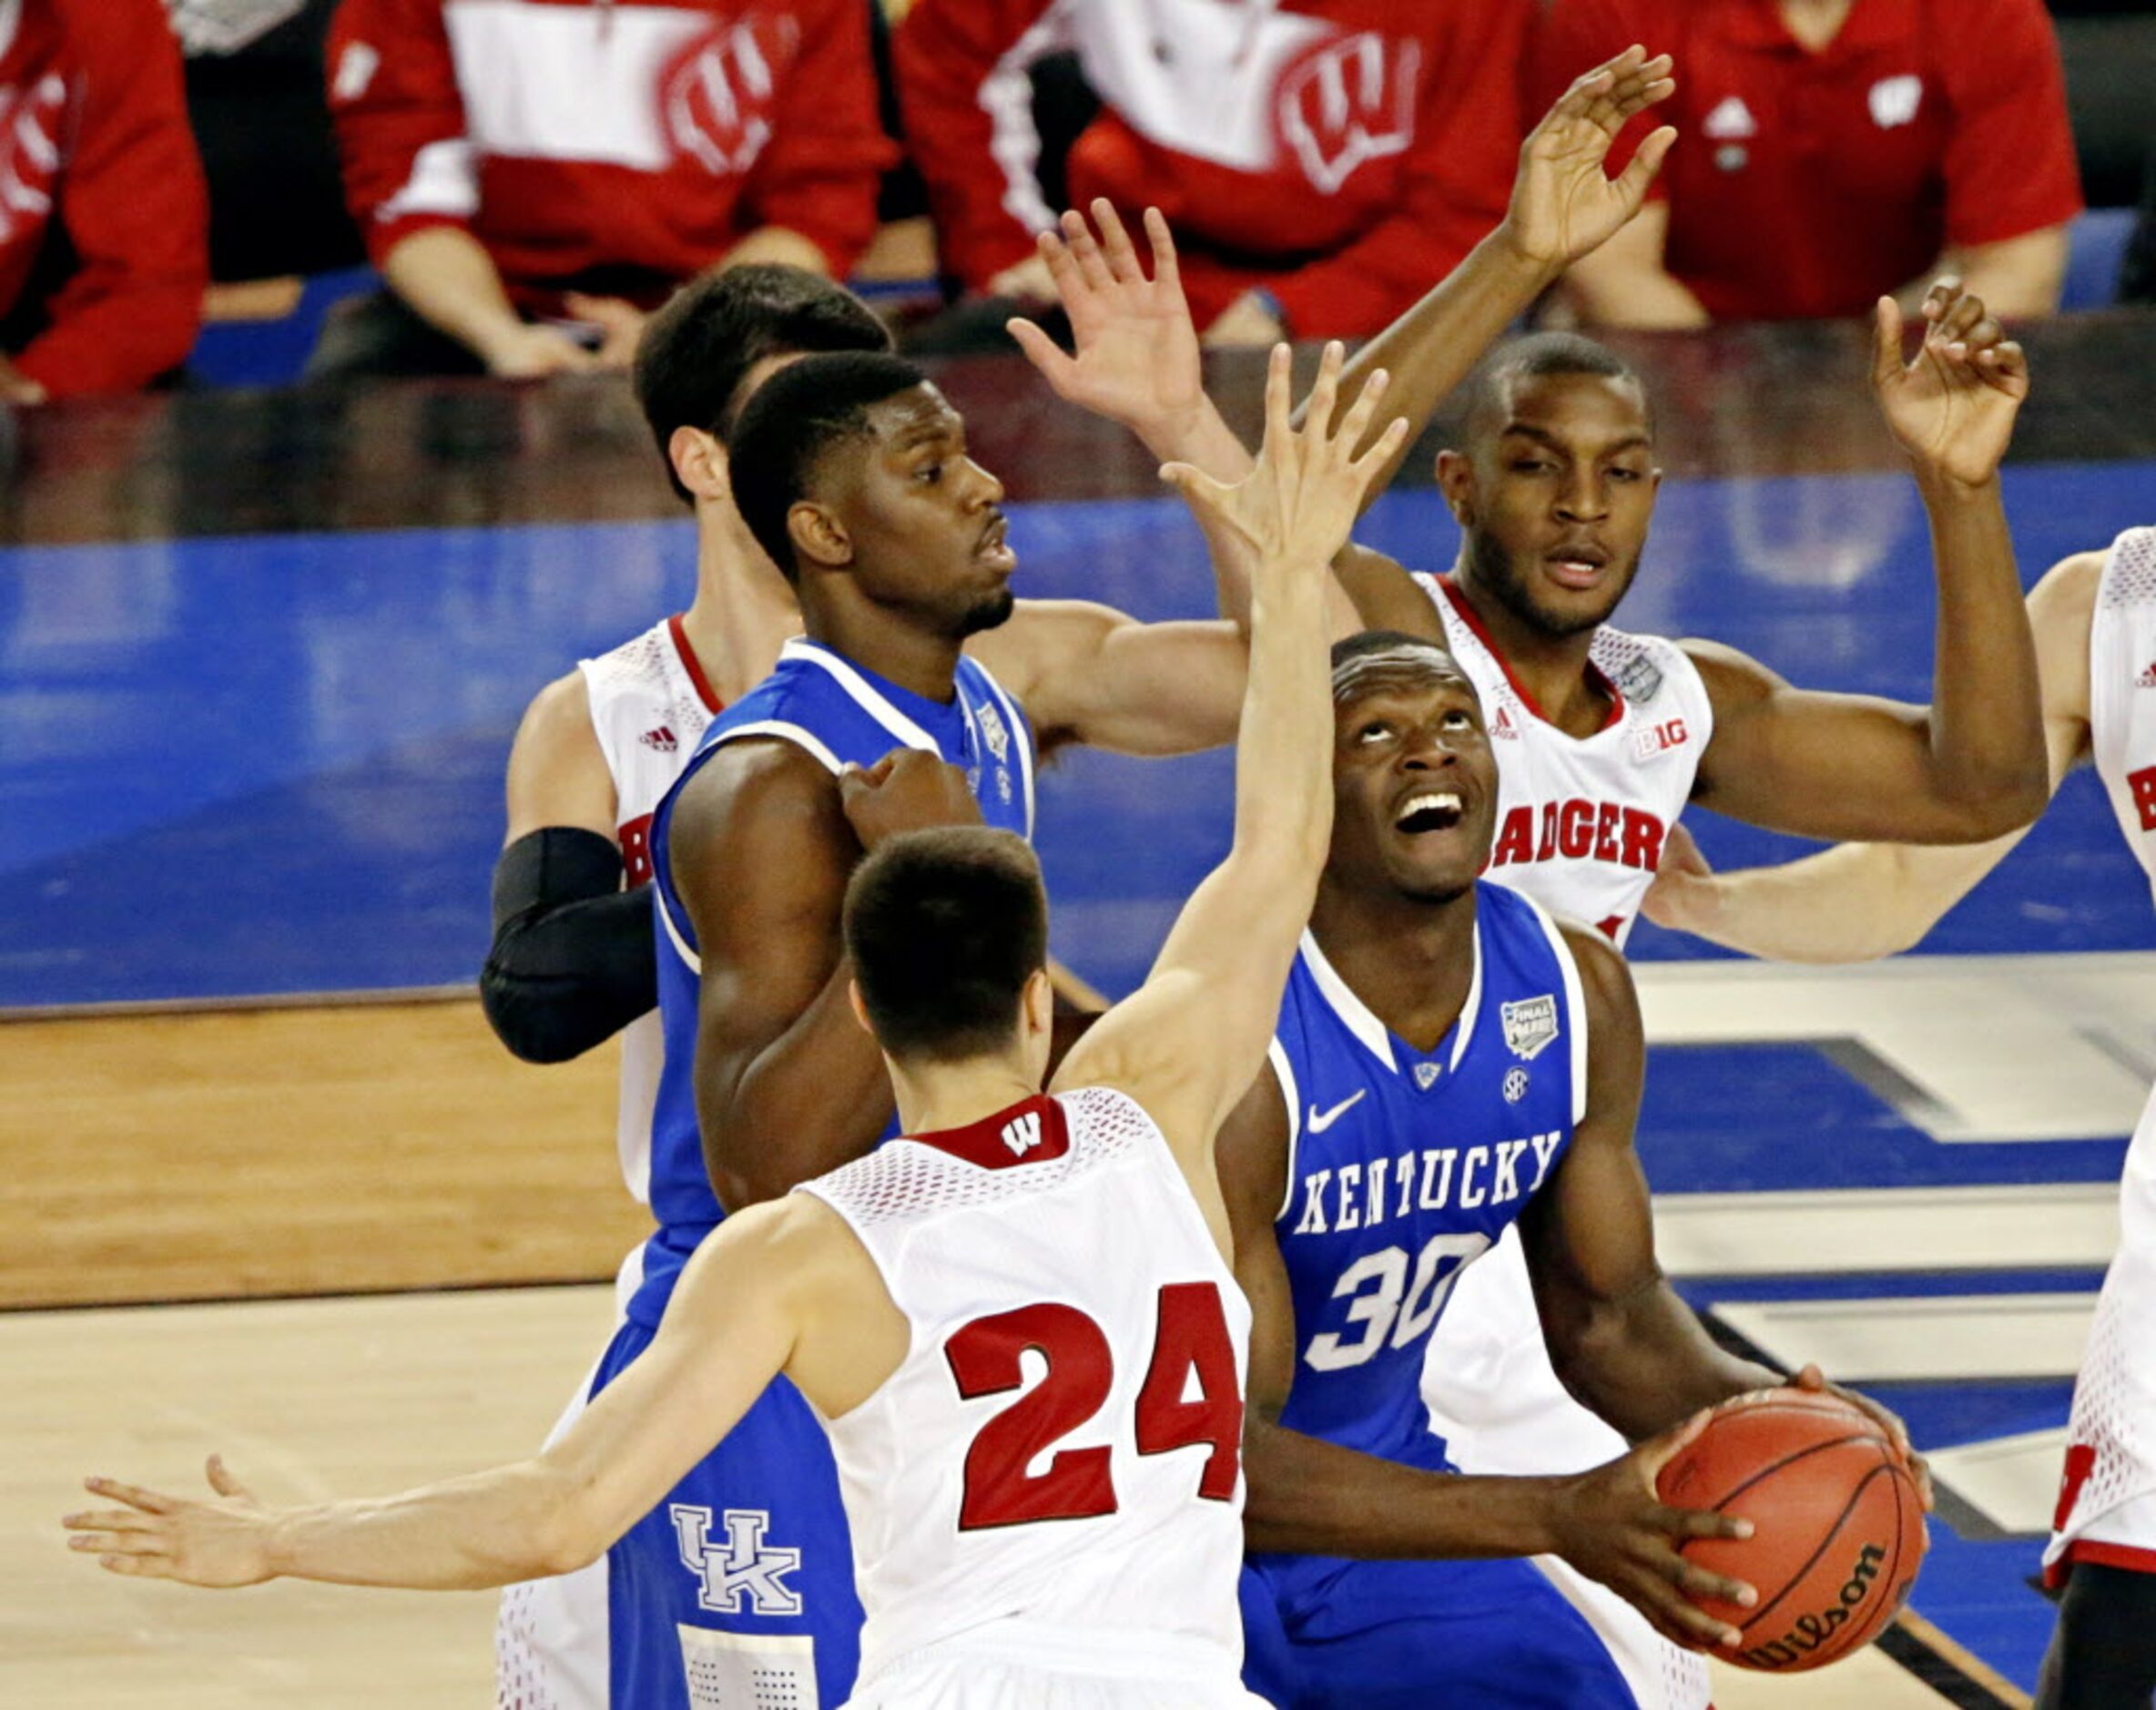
{"points": [[740, 1564]]}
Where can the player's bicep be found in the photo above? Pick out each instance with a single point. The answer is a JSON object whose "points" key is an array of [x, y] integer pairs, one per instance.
{"points": [[557, 772], [1088, 673], [760, 853]]}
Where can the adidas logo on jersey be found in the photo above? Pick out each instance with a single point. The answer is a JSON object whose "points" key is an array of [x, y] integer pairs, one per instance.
{"points": [[1504, 726], [662, 740], [1730, 121], [2147, 679]]}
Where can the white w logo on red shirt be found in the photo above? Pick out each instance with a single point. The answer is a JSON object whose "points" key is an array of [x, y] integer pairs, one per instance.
{"points": [[1350, 102]]}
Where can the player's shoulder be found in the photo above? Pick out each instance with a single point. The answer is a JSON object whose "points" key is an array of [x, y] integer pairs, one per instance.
{"points": [[759, 787], [559, 716]]}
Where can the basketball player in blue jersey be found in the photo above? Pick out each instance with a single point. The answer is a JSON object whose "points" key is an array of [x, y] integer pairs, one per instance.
{"points": [[1449, 1060]]}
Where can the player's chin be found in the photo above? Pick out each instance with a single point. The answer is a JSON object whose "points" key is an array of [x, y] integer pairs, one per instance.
{"points": [[1433, 875], [990, 611]]}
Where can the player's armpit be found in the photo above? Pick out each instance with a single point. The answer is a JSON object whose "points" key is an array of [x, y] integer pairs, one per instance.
{"points": [[1385, 597], [789, 1084]]}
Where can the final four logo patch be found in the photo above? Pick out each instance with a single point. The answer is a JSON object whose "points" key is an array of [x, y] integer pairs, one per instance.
{"points": [[1530, 1024]]}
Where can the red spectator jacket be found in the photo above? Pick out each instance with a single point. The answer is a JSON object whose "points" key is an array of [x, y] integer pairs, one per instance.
{"points": [[95, 157], [1342, 153], [1810, 184], [641, 138]]}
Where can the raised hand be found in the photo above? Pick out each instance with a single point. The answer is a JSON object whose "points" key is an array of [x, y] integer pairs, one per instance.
{"points": [[218, 1543], [1296, 504], [909, 789], [1613, 1526], [1563, 204], [1137, 351], [1952, 407]]}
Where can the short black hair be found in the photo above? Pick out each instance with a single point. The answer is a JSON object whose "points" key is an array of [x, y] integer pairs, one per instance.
{"points": [[796, 416], [696, 352], [1537, 356], [944, 928]]}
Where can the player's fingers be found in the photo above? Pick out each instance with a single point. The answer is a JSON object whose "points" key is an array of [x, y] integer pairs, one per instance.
{"points": [[1279, 426], [1325, 392], [1960, 317], [1115, 243], [1356, 422], [1984, 335], [1056, 365], [1652, 83], [1383, 450], [1701, 1523], [1198, 489], [222, 1481], [133, 1495], [1093, 266], [1166, 270], [1586, 88], [1655, 1452], [1673, 1615], [121, 1543], [1885, 341], [1641, 170], [1945, 292], [147, 1567], [111, 1520], [1697, 1582]]}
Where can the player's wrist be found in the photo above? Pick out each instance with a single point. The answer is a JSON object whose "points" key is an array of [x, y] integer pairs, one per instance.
{"points": [[1527, 267], [1940, 485]]}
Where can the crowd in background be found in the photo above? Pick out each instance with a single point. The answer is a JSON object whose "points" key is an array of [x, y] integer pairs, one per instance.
{"points": [[527, 178]]}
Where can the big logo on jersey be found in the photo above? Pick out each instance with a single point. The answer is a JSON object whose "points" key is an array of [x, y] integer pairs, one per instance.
{"points": [[1350, 102], [29, 152], [716, 96]]}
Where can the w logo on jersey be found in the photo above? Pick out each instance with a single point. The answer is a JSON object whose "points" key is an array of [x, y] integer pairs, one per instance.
{"points": [[1022, 1133], [717, 98], [1351, 102], [741, 1564]]}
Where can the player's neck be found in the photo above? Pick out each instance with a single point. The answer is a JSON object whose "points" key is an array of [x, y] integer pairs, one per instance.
{"points": [[743, 613], [1411, 961], [893, 644], [1552, 669], [935, 1096]]}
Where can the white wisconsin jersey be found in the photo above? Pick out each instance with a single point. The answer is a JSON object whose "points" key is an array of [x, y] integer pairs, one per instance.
{"points": [[2107, 1509], [649, 704], [1053, 1475], [1580, 821]]}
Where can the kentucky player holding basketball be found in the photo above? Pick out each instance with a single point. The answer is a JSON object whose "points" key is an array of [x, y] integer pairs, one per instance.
{"points": [[1450, 1062], [2094, 617], [900, 1296]]}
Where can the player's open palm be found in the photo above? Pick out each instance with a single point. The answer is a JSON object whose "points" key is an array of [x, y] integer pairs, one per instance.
{"points": [[909, 789], [1952, 406], [1137, 350], [1563, 204], [218, 1542], [1296, 507], [1614, 1527]]}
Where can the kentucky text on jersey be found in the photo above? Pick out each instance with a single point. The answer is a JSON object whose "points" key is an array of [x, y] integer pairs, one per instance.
{"points": [[1350, 1198]]}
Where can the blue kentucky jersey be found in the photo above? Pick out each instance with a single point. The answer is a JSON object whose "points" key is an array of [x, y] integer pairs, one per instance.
{"points": [[1405, 1168], [843, 715]]}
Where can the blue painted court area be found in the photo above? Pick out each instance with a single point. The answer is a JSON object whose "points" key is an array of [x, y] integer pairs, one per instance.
{"points": [[272, 765]]}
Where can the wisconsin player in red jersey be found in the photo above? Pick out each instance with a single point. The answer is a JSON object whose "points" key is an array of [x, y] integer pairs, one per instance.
{"points": [[903, 1294]]}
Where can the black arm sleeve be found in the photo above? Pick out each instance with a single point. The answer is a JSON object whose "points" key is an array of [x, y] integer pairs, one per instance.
{"points": [[572, 961]]}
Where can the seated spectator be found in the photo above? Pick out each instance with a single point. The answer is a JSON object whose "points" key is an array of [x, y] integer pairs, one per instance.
{"points": [[532, 176], [1323, 162], [1829, 152], [103, 251]]}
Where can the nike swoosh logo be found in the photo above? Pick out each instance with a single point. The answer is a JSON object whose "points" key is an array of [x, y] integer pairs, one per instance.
{"points": [[1322, 1120]]}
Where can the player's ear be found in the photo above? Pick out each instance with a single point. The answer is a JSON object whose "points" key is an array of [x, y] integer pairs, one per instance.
{"points": [[1039, 1001], [1455, 481], [860, 1010], [700, 463], [820, 536]]}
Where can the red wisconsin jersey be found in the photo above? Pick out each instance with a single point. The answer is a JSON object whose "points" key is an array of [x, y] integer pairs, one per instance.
{"points": [[1346, 153], [1808, 184], [1054, 1470], [649, 704], [569, 136], [94, 141], [1580, 821]]}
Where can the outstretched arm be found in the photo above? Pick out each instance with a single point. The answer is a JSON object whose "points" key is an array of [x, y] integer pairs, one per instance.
{"points": [[1970, 766], [732, 1326], [1192, 1038], [1858, 901]]}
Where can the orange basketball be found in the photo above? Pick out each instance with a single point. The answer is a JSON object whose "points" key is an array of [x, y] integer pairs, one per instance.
{"points": [[1837, 1527]]}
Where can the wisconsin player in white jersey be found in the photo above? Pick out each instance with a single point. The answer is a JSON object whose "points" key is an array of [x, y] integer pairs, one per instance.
{"points": [[2094, 617], [1040, 1451]]}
